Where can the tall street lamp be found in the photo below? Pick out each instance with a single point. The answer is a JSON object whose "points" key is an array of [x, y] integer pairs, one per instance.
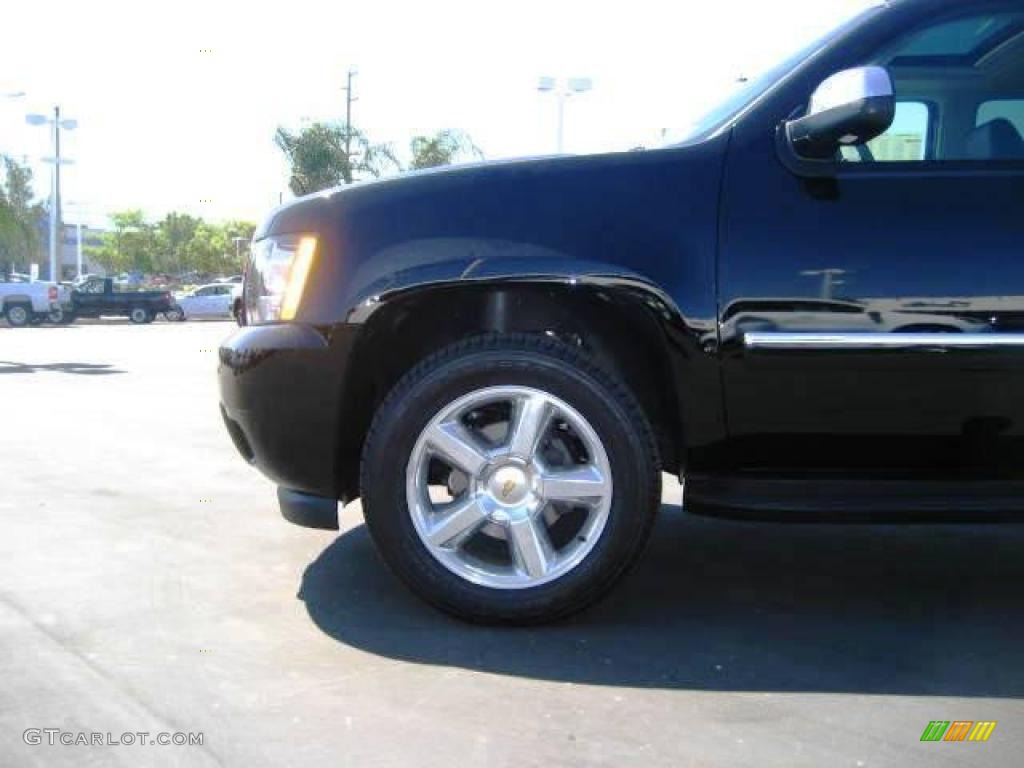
{"points": [[562, 91], [828, 279], [57, 124], [238, 247]]}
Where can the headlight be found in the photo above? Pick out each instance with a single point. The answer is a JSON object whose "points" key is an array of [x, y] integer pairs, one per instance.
{"points": [[276, 278]]}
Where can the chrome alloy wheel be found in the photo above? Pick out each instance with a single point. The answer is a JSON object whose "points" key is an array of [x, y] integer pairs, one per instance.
{"points": [[509, 487]]}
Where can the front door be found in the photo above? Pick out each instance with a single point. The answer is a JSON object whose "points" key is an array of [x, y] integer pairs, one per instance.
{"points": [[90, 297], [874, 322], [205, 303]]}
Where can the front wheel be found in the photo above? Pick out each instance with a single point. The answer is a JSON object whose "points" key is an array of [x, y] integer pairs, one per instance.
{"points": [[508, 479], [175, 315], [140, 315]]}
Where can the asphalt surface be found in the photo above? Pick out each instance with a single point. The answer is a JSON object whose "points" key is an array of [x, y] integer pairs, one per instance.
{"points": [[148, 584]]}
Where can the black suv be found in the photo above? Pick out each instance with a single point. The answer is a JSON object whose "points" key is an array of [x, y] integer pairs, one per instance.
{"points": [[813, 302]]}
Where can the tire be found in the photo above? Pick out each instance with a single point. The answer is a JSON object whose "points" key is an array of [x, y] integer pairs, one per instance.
{"points": [[175, 315], [18, 315], [588, 403], [61, 317], [140, 315]]}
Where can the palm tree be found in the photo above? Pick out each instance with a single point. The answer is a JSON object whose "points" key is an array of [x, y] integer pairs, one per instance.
{"points": [[443, 148], [319, 160]]}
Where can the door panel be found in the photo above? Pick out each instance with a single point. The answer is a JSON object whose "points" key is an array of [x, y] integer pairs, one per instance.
{"points": [[932, 262], [222, 303], [204, 304], [873, 323]]}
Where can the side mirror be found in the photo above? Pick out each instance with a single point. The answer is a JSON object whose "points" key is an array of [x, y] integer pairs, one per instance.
{"points": [[849, 108]]}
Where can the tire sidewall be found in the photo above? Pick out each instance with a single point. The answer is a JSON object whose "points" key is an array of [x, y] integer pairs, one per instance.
{"points": [[391, 523], [18, 316], [137, 318]]}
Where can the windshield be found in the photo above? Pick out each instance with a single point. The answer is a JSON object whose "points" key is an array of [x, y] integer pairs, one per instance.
{"points": [[749, 90]]}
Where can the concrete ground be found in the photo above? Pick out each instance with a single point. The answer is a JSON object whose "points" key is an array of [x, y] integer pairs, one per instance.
{"points": [[148, 584]]}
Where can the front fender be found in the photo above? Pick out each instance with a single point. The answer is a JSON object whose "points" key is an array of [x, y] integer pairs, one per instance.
{"points": [[430, 264]]}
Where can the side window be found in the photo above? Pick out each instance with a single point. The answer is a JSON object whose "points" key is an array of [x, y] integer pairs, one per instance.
{"points": [[1003, 109], [905, 141], [959, 85], [202, 292]]}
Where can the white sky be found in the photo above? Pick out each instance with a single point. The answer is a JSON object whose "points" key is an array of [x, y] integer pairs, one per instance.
{"points": [[163, 126]]}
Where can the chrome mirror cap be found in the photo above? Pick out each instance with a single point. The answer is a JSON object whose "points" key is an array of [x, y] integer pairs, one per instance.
{"points": [[849, 87], [850, 108]]}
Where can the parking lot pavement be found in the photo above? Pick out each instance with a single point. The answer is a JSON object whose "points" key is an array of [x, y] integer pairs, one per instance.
{"points": [[147, 583]]}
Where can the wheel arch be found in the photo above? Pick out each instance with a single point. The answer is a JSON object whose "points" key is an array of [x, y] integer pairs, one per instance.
{"points": [[629, 327], [15, 298]]}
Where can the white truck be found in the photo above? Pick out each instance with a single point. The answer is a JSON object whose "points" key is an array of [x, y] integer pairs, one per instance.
{"points": [[30, 303]]}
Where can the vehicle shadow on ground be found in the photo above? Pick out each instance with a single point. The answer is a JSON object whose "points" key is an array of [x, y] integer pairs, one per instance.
{"points": [[85, 369], [731, 605], [33, 328]]}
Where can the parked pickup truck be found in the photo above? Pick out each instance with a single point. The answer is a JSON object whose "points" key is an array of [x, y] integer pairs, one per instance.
{"points": [[30, 303], [812, 303], [96, 297]]}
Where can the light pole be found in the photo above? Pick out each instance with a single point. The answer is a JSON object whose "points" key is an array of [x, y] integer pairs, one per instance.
{"points": [[57, 124], [562, 91], [238, 248], [828, 279]]}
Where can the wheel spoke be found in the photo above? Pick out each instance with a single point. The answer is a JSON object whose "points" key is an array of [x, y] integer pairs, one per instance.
{"points": [[453, 443], [531, 546], [501, 485], [530, 422], [584, 483], [456, 523]]}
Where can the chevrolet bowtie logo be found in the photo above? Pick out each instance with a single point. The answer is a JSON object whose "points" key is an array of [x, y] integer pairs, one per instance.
{"points": [[507, 487]]}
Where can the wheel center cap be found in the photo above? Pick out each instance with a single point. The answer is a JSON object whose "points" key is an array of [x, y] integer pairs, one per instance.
{"points": [[508, 486]]}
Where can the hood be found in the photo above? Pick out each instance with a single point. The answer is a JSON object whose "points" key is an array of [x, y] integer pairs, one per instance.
{"points": [[636, 213]]}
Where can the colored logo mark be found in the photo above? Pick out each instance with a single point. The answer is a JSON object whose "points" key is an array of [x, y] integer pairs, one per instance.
{"points": [[958, 730]]}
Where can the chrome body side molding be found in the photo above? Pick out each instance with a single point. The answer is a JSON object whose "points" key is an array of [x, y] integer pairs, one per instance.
{"points": [[840, 341]]}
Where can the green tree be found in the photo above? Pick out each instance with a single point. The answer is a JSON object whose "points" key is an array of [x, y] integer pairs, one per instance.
{"points": [[171, 238], [131, 244], [319, 161], [240, 229], [443, 148], [176, 244], [209, 249], [19, 236]]}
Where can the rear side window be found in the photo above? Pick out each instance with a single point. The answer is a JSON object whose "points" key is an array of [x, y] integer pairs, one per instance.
{"points": [[1006, 109]]}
